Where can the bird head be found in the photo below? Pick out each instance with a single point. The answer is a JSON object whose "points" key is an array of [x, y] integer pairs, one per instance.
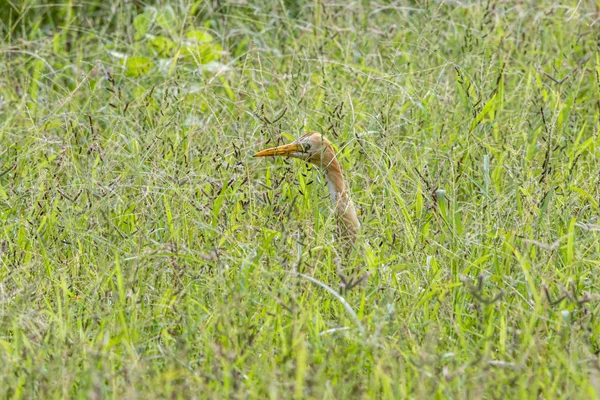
{"points": [[313, 148]]}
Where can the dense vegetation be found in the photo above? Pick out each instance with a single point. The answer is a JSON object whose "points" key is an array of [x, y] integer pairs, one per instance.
{"points": [[145, 253]]}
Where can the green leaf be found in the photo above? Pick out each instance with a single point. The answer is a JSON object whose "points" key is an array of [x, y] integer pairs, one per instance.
{"points": [[195, 7], [199, 36], [486, 109], [36, 72], [141, 23], [205, 53], [227, 88], [137, 65], [571, 242], [166, 18], [3, 194], [586, 195], [162, 46], [217, 204]]}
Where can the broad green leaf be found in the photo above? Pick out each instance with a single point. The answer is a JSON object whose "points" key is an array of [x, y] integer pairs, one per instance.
{"points": [[204, 53], [141, 23], [199, 36], [162, 46], [137, 65], [166, 19]]}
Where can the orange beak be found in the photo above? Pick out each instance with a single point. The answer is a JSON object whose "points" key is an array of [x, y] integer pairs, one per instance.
{"points": [[286, 150]]}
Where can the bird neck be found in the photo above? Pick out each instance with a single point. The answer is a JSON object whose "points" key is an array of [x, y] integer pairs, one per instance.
{"points": [[335, 181], [341, 199]]}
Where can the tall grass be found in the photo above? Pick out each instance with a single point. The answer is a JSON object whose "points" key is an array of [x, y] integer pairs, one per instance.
{"points": [[145, 253]]}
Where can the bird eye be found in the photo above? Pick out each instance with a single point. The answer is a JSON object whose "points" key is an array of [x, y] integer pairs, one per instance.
{"points": [[305, 147]]}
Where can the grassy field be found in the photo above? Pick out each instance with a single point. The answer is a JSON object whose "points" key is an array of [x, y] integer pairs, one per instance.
{"points": [[145, 254]]}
